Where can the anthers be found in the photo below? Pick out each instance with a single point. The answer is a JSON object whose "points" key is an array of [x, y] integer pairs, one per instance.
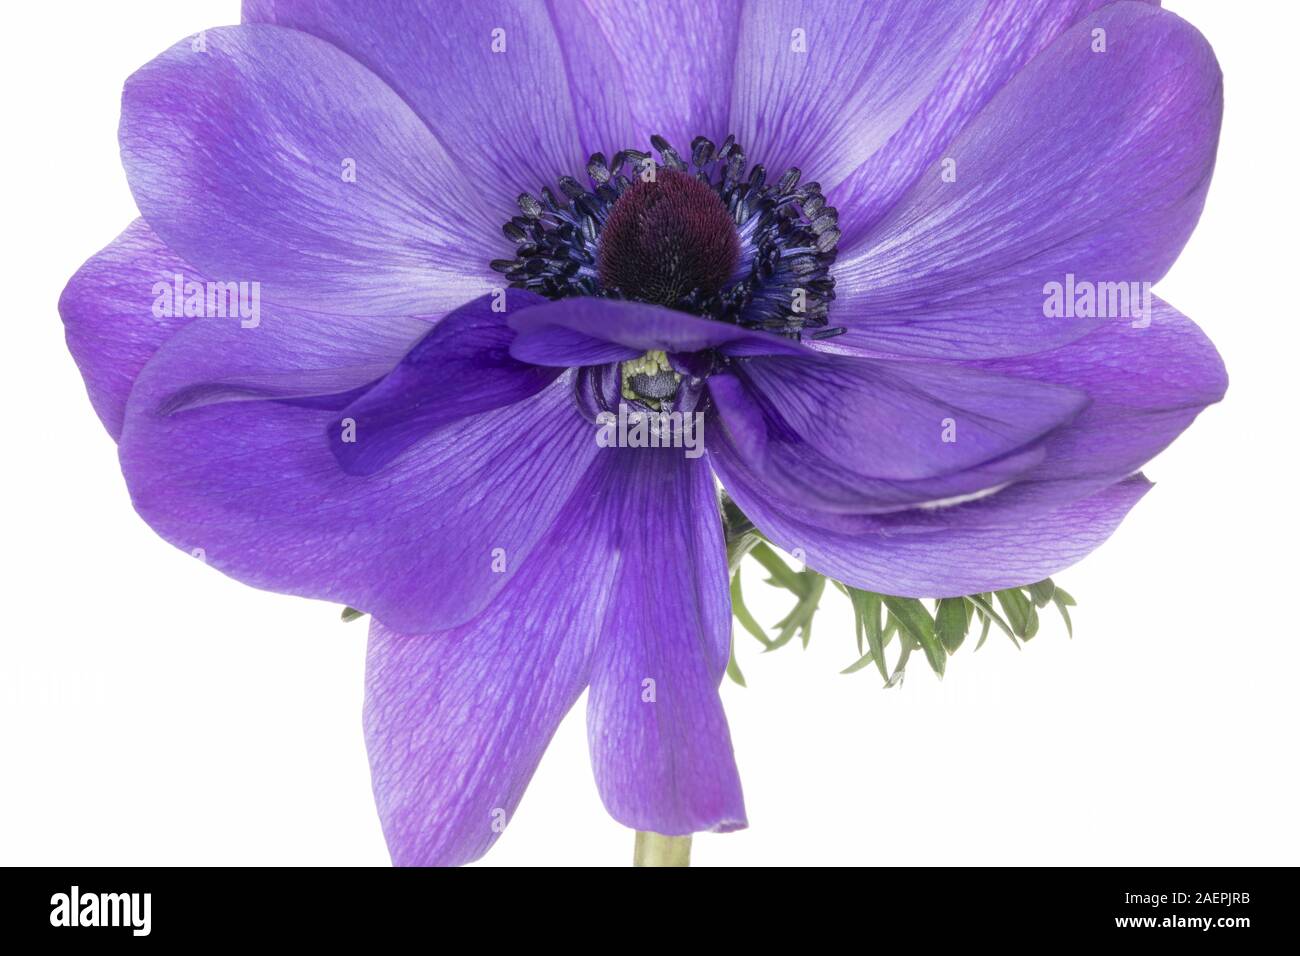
{"points": [[642, 230]]}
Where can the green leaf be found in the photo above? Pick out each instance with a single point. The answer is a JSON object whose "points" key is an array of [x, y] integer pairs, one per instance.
{"points": [[1063, 603], [351, 614], [813, 600], [866, 608], [1020, 612], [900, 665], [878, 618], [782, 575], [1041, 593], [733, 669], [740, 532], [860, 663], [799, 620], [742, 613], [951, 620], [984, 604], [914, 620]]}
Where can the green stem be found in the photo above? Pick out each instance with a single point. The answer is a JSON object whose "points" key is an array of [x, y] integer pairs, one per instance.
{"points": [[655, 849]]}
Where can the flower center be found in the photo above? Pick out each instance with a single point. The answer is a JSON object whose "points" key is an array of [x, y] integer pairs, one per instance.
{"points": [[697, 235], [650, 380], [666, 238]]}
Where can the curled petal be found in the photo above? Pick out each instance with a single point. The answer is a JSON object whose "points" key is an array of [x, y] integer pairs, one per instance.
{"points": [[115, 319], [226, 455], [460, 368], [589, 331]]}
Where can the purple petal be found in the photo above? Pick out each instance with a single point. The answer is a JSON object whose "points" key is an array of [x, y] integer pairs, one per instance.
{"points": [[556, 346], [111, 320], [958, 556], [791, 474], [865, 67], [633, 75], [589, 331], [461, 368], [1146, 385], [254, 484], [659, 739], [239, 157], [1009, 34], [457, 721], [487, 77], [903, 421], [1087, 164]]}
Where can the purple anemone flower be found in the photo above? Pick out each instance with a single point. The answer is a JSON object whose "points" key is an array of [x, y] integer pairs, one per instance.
{"points": [[400, 264]]}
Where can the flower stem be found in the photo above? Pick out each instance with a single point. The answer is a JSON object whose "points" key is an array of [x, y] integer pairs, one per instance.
{"points": [[655, 849]]}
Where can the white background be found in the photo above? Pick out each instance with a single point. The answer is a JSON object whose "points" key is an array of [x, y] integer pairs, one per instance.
{"points": [[155, 712]]}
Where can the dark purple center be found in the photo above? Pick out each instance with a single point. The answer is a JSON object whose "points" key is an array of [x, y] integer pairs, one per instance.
{"points": [[666, 239]]}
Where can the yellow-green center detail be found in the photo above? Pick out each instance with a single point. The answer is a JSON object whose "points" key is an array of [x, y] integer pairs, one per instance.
{"points": [[650, 380]]}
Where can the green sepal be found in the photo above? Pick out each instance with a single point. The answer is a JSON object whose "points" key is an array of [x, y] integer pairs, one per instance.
{"points": [[866, 615], [733, 669], [741, 535], [951, 621], [782, 575], [877, 617], [1063, 601], [915, 621], [742, 613], [984, 604], [1042, 592], [800, 619], [1020, 612]]}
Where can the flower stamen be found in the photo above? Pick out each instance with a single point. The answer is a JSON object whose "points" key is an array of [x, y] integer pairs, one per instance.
{"points": [[642, 230]]}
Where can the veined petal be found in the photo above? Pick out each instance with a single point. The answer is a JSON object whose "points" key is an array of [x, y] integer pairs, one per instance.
{"points": [[1088, 165], [822, 84], [903, 421], [792, 474], [1008, 35], [590, 331], [1145, 385], [268, 155], [222, 465], [1147, 382], [633, 74], [112, 318], [456, 721], [956, 554], [659, 738], [460, 368], [488, 77]]}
